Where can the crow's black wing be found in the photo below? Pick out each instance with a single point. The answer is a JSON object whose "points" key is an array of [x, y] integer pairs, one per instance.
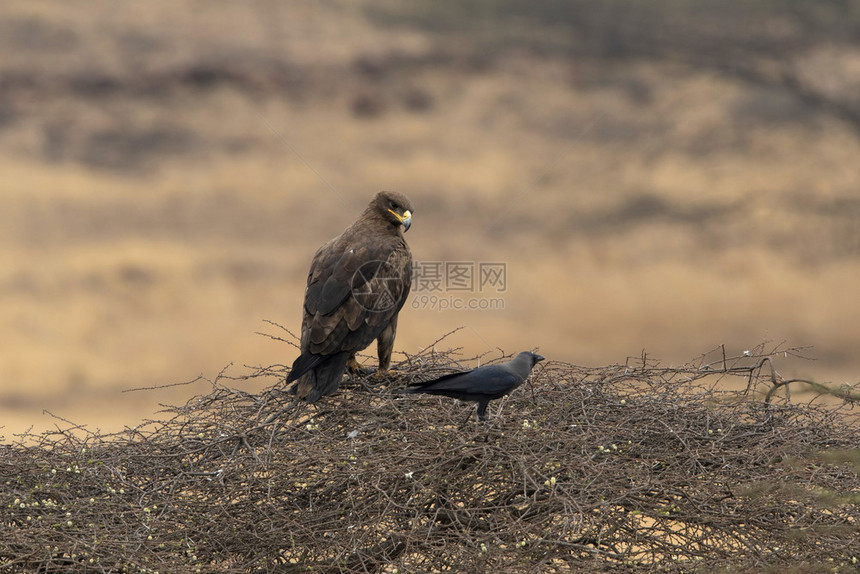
{"points": [[491, 381]]}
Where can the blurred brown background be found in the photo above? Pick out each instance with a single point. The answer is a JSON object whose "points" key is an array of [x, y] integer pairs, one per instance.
{"points": [[667, 176]]}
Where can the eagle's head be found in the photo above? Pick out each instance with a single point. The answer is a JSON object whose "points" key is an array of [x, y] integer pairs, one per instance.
{"points": [[394, 208]]}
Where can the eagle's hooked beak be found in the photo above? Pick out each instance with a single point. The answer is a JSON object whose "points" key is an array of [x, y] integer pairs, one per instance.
{"points": [[405, 219]]}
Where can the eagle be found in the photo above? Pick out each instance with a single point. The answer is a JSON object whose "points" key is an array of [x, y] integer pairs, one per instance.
{"points": [[357, 284]]}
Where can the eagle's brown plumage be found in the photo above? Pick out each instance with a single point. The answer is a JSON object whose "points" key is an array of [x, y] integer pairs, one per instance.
{"points": [[357, 284]]}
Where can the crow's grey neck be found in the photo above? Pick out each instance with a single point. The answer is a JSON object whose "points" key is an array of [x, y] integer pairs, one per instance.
{"points": [[521, 365]]}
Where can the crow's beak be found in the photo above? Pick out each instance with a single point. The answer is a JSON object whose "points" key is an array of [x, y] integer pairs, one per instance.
{"points": [[538, 358]]}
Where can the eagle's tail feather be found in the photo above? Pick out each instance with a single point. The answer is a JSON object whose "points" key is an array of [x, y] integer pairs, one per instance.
{"points": [[303, 364], [321, 379]]}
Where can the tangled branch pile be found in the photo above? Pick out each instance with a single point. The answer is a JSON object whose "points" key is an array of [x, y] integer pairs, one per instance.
{"points": [[627, 467]]}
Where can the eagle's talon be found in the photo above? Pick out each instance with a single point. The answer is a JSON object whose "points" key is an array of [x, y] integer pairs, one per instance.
{"points": [[382, 375], [361, 372]]}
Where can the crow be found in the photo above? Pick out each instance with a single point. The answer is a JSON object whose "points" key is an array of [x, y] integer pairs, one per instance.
{"points": [[480, 385]]}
